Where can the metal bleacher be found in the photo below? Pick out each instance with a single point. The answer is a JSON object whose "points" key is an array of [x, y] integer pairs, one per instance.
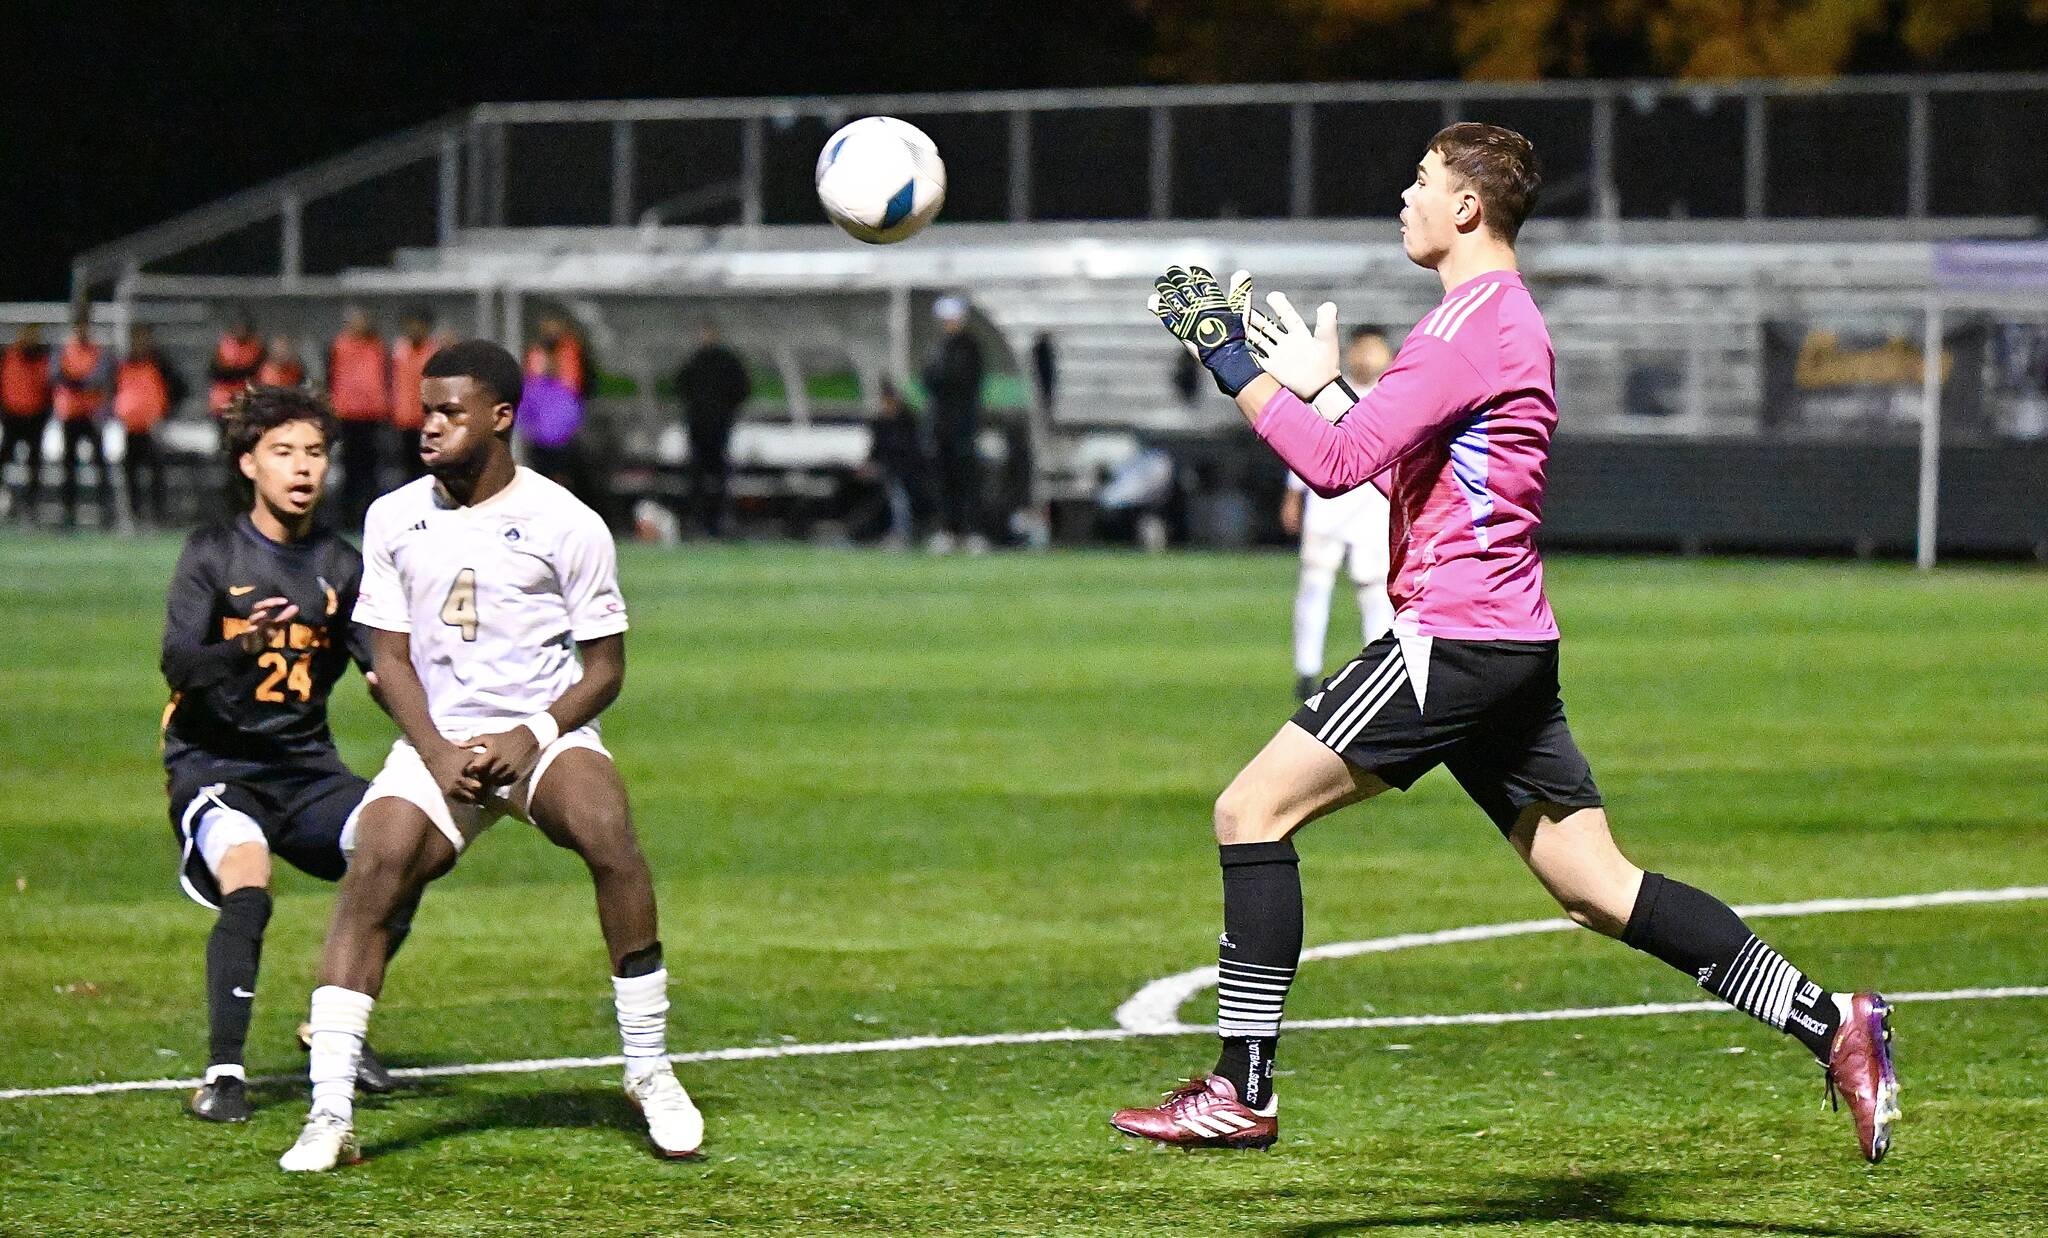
{"points": [[639, 219]]}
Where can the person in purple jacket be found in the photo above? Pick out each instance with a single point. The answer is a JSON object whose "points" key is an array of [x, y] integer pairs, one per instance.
{"points": [[1456, 434]]}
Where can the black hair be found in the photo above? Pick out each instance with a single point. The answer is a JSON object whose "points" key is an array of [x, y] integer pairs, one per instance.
{"points": [[256, 411], [488, 364], [1367, 329]]}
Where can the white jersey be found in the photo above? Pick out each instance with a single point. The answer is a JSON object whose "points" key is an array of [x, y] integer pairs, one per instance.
{"points": [[495, 596], [1356, 517]]}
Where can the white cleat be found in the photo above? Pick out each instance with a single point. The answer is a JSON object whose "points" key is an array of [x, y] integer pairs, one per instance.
{"points": [[673, 1122], [328, 1140]]}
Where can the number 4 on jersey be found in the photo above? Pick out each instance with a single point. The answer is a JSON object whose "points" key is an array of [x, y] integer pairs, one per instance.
{"points": [[458, 609]]}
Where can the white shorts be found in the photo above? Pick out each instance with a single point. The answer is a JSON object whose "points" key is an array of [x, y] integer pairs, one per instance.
{"points": [[1325, 552], [406, 777]]}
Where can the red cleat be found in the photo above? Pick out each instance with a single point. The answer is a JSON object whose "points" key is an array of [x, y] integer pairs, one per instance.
{"points": [[1202, 1113], [1860, 1070]]}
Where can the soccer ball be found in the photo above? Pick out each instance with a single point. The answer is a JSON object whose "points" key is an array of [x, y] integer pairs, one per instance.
{"points": [[881, 179]]}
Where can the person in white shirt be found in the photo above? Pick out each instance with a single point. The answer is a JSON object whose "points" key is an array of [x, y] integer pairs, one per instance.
{"points": [[498, 635], [1352, 525]]}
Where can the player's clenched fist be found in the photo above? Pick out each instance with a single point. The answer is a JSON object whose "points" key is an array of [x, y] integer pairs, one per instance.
{"points": [[1188, 301], [502, 757]]}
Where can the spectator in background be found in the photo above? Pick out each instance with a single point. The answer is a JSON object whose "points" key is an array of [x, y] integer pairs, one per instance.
{"points": [[236, 359], [953, 381], [417, 340], [282, 366], [713, 385], [359, 388], [1045, 362], [557, 352], [82, 378], [146, 390], [896, 462], [25, 409], [551, 410]]}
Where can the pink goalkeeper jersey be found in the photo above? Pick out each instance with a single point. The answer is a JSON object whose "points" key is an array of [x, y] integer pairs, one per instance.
{"points": [[1455, 433]]}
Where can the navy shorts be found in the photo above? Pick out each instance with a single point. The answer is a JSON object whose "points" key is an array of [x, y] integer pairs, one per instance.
{"points": [[1489, 711], [301, 808]]}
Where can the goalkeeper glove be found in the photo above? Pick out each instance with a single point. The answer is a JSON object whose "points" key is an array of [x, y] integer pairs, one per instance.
{"points": [[1302, 357], [1211, 323]]}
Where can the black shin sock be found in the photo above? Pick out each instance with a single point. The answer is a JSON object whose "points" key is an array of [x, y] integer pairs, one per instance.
{"points": [[1702, 937], [232, 953], [1255, 960]]}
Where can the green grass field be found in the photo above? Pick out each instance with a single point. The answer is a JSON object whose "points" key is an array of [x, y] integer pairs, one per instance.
{"points": [[890, 797]]}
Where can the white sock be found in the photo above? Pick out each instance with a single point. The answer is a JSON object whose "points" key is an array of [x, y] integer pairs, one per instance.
{"points": [[642, 1003], [224, 1070], [340, 1018]]}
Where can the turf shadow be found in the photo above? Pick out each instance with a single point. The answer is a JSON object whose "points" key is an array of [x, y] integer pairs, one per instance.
{"points": [[594, 1107], [1595, 1200]]}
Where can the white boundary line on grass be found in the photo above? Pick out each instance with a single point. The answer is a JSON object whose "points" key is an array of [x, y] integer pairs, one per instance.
{"points": [[1170, 1026], [1156, 1007], [907, 1044]]}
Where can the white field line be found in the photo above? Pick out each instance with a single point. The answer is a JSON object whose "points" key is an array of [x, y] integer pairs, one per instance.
{"points": [[1135, 1017], [908, 1044], [1156, 1007]]}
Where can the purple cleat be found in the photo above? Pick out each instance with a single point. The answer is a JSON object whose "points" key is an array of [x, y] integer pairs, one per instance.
{"points": [[1860, 1070]]}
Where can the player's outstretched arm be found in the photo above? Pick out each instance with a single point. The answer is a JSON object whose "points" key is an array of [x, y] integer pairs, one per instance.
{"points": [[405, 698], [1427, 390]]}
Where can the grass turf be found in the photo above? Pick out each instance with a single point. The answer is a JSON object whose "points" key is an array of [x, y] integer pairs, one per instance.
{"points": [[896, 796]]}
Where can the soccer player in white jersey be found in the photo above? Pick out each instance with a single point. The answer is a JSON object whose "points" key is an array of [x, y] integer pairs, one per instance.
{"points": [[1351, 526], [498, 634]]}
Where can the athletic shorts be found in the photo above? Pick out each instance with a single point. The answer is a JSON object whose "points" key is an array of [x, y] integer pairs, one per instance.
{"points": [[406, 777], [1489, 711], [299, 811]]}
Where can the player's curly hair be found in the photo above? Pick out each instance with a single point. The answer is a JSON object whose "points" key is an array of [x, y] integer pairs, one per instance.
{"points": [[1500, 165], [257, 410]]}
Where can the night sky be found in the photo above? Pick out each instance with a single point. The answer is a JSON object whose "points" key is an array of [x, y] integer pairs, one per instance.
{"points": [[120, 115], [122, 119]]}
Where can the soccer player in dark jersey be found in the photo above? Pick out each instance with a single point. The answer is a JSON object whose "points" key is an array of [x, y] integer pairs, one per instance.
{"points": [[1456, 434], [256, 633]]}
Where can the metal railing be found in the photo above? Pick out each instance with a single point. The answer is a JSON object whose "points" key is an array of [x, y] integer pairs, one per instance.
{"points": [[1876, 147]]}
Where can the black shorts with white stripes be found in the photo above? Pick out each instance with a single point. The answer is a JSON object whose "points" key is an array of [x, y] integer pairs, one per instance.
{"points": [[1487, 710]]}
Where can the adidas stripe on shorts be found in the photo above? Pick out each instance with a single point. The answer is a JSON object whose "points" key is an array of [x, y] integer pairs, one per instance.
{"points": [[1489, 711]]}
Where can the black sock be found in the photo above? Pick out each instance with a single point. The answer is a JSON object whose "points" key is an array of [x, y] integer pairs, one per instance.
{"points": [[1255, 961], [1702, 937], [232, 953]]}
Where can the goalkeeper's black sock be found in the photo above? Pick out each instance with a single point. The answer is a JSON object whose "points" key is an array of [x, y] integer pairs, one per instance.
{"points": [[1255, 961], [232, 953], [1703, 937]]}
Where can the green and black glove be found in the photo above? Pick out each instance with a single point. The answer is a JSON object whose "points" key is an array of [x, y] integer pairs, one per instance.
{"points": [[1191, 305]]}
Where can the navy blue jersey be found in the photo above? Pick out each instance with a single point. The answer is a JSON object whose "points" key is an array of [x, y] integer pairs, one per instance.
{"points": [[270, 705]]}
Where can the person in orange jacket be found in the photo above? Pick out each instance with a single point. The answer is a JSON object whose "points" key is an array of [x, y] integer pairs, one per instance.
{"points": [[82, 382], [281, 364], [359, 388], [235, 361], [146, 390], [25, 410], [417, 340]]}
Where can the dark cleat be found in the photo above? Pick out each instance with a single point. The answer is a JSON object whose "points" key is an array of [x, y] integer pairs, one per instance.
{"points": [[1201, 1113], [1859, 1070], [1306, 686], [226, 1099], [372, 1076]]}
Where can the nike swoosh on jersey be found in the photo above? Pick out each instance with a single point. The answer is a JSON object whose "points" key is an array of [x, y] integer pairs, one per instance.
{"points": [[235, 591]]}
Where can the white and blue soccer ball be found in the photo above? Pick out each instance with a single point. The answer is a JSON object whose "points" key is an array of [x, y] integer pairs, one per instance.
{"points": [[881, 179]]}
